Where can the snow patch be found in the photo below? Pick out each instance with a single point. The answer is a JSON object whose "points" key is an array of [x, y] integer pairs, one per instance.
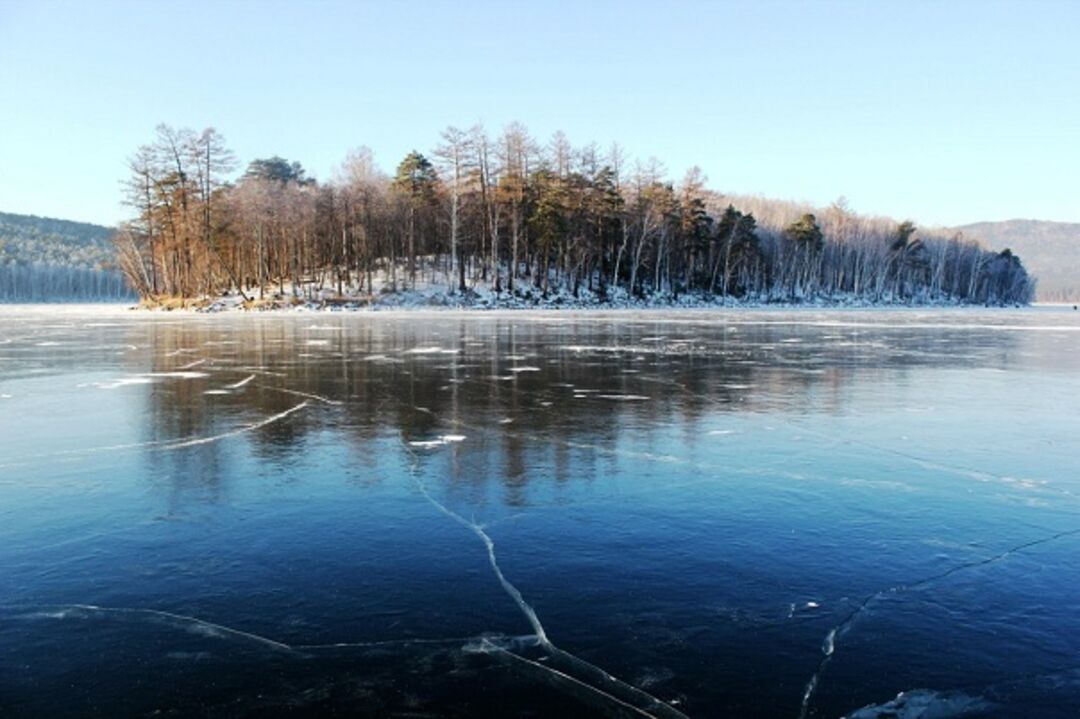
{"points": [[439, 441], [430, 351], [175, 375], [924, 704], [121, 382]]}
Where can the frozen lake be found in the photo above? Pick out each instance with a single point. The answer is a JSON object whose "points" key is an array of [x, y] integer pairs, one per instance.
{"points": [[704, 514]]}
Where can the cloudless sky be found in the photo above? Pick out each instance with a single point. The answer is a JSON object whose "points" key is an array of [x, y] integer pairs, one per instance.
{"points": [[944, 112]]}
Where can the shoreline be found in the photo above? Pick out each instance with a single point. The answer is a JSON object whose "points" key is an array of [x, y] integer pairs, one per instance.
{"points": [[136, 312], [439, 300]]}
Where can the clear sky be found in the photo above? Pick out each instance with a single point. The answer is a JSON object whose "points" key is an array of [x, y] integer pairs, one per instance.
{"points": [[944, 112]]}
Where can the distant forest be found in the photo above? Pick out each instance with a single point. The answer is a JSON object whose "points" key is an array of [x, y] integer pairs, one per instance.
{"points": [[515, 215], [47, 260]]}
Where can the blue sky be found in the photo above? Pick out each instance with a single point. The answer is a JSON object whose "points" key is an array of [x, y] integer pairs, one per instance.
{"points": [[943, 112]]}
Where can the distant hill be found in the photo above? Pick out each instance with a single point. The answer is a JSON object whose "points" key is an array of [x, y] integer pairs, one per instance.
{"points": [[1049, 250], [43, 259], [29, 239]]}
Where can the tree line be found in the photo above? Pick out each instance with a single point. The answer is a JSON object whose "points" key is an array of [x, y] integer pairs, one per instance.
{"points": [[512, 215], [40, 282]]}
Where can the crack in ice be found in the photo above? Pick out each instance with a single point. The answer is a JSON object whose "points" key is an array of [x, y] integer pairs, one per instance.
{"points": [[62, 612], [508, 587], [155, 445], [232, 433], [297, 393], [656, 705], [492, 648], [216, 630], [828, 647], [241, 383]]}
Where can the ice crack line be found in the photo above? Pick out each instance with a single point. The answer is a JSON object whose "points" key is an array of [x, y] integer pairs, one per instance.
{"points": [[970, 473], [495, 649], [209, 628], [241, 383], [828, 646], [459, 641], [958, 470], [213, 629], [478, 530], [162, 445], [657, 708], [316, 397], [239, 430]]}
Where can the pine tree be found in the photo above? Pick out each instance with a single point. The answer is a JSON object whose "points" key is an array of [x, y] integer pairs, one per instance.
{"points": [[415, 182]]}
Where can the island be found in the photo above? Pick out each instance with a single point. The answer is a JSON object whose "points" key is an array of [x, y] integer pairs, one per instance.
{"points": [[506, 221]]}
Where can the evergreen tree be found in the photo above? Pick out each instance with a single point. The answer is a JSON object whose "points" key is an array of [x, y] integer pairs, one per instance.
{"points": [[416, 183], [277, 169]]}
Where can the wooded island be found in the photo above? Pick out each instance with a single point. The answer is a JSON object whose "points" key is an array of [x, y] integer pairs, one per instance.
{"points": [[512, 216]]}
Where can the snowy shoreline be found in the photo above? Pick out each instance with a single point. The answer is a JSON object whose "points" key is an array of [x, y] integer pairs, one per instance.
{"points": [[418, 308], [486, 300]]}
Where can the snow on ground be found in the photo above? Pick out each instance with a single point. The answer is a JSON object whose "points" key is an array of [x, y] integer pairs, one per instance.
{"points": [[484, 298], [408, 300], [434, 292]]}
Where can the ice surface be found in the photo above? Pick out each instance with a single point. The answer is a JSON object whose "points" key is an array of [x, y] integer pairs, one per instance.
{"points": [[828, 648], [693, 513]]}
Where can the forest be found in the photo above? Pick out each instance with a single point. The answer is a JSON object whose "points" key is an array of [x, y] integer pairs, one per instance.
{"points": [[509, 214], [48, 260]]}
